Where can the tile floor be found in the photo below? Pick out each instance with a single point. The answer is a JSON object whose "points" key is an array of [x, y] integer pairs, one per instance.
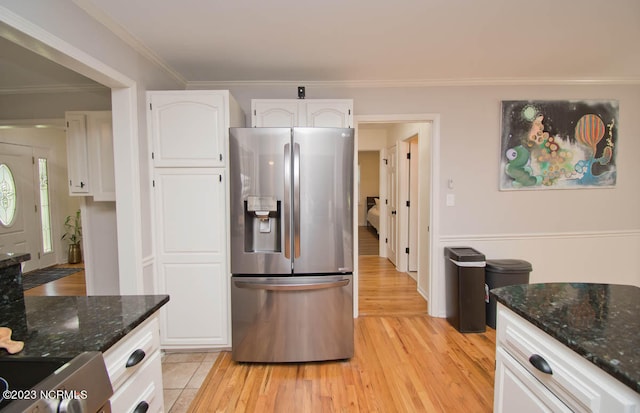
{"points": [[182, 376]]}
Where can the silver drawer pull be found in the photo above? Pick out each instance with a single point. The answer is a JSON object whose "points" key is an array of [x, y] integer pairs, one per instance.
{"points": [[135, 358], [540, 363]]}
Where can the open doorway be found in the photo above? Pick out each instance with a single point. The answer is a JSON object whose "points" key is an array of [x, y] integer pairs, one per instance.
{"points": [[368, 203], [117, 269], [408, 183]]}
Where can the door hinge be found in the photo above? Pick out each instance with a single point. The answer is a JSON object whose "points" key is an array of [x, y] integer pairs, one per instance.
{"points": [[386, 161], [35, 207], [150, 106], [406, 250], [220, 157], [349, 111], [386, 202], [408, 204], [33, 160], [255, 113], [386, 240], [153, 183], [409, 155], [38, 255], [153, 155], [220, 178]]}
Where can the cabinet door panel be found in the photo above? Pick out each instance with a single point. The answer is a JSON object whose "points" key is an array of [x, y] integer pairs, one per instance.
{"points": [[77, 154], [518, 391], [192, 253], [196, 314], [329, 114], [188, 129], [103, 174], [282, 113]]}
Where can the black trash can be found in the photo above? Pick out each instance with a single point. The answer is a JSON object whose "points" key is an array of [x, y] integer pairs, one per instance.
{"points": [[501, 273], [465, 289]]}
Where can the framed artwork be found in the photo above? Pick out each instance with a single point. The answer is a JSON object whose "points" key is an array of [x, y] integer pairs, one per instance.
{"points": [[558, 144]]}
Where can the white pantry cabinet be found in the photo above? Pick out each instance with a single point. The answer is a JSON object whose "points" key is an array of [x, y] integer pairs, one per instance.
{"points": [[327, 113], [574, 383], [90, 162], [189, 138]]}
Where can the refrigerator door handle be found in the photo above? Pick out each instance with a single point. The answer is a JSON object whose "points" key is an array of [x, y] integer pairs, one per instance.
{"points": [[291, 287], [296, 199], [287, 201]]}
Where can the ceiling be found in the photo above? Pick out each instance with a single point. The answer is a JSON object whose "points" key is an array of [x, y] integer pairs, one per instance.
{"points": [[431, 41]]}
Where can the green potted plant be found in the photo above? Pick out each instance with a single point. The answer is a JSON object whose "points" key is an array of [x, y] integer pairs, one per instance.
{"points": [[73, 234]]}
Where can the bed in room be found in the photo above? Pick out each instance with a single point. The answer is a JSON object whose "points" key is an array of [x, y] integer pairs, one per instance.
{"points": [[373, 213]]}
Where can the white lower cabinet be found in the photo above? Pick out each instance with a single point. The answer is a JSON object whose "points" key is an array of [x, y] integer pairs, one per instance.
{"points": [[572, 384], [135, 369]]}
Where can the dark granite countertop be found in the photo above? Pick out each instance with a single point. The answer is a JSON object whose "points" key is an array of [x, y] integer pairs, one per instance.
{"points": [[63, 327], [9, 259], [600, 322]]}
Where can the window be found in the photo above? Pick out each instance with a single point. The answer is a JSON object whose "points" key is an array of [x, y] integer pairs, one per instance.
{"points": [[45, 210], [7, 196]]}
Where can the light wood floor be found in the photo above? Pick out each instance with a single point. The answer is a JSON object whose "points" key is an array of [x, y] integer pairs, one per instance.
{"points": [[405, 361], [73, 284], [368, 244]]}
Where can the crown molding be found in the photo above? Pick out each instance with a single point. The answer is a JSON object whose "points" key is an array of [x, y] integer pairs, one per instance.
{"points": [[45, 89], [413, 83], [128, 38]]}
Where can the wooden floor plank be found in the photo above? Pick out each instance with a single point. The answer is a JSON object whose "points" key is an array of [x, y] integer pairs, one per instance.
{"points": [[405, 361]]}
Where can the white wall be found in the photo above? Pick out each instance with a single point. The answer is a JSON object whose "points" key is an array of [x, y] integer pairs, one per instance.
{"points": [[543, 227]]}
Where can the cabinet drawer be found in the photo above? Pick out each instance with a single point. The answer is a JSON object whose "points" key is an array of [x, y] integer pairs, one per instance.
{"points": [[144, 338], [577, 382], [145, 387]]}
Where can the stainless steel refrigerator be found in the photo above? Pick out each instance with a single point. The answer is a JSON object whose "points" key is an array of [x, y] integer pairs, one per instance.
{"points": [[291, 244]]}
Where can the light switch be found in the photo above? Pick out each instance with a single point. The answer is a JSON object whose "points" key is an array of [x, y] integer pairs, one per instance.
{"points": [[451, 199]]}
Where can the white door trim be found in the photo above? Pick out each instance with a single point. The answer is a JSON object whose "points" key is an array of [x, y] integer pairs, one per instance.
{"points": [[435, 280], [125, 134]]}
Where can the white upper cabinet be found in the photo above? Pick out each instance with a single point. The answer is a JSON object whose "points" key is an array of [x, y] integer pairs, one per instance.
{"points": [[322, 113], [189, 128], [77, 153], [275, 113], [90, 161], [103, 181], [329, 113]]}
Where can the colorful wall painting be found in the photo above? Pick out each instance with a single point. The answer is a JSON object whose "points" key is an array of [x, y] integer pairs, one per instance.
{"points": [[558, 144]]}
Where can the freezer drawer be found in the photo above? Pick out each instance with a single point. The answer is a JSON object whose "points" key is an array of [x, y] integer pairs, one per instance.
{"points": [[292, 319]]}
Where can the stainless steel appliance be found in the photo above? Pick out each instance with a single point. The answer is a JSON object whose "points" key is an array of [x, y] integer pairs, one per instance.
{"points": [[291, 244], [82, 385]]}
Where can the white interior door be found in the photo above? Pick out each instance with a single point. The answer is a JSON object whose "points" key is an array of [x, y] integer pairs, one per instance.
{"points": [[413, 205], [392, 205], [18, 232]]}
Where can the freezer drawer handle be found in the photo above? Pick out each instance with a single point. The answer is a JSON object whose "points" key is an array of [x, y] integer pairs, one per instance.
{"points": [[291, 287]]}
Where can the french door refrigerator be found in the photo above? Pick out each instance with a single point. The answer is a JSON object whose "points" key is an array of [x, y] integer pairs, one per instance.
{"points": [[291, 244]]}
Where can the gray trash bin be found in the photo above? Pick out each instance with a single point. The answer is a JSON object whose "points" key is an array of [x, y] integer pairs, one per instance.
{"points": [[465, 289], [501, 273]]}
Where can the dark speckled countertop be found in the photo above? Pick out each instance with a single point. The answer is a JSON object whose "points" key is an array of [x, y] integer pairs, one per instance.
{"points": [[63, 327], [600, 322]]}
